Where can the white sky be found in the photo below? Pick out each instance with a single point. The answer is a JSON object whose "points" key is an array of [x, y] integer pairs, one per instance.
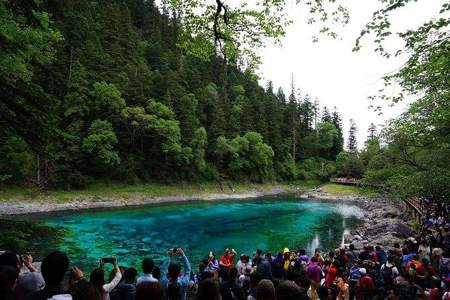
{"points": [[330, 71]]}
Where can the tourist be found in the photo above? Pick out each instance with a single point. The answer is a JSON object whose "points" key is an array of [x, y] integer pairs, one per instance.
{"points": [[318, 257], [208, 290], [230, 289], [147, 267], [8, 277], [314, 273], [97, 278], [265, 290], [212, 264], [126, 290], [388, 272], [331, 273], [26, 283], [277, 266], [170, 274], [366, 288], [150, 291], [84, 290], [262, 265], [288, 290], [243, 263], [53, 268], [226, 262], [255, 278]]}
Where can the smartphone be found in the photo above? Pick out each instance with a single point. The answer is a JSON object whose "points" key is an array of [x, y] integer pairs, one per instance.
{"points": [[107, 260]]}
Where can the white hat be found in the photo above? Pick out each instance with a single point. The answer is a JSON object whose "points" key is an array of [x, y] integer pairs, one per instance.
{"points": [[363, 271]]}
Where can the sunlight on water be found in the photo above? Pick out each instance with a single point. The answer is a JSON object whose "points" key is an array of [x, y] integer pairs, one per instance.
{"points": [[268, 224]]}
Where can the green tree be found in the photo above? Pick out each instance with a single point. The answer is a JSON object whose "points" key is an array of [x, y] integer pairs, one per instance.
{"points": [[100, 143]]}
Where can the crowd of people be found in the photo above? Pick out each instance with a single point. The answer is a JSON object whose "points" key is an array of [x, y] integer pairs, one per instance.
{"points": [[419, 268]]}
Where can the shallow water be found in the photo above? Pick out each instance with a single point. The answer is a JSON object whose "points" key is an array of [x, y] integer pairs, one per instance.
{"points": [[268, 224]]}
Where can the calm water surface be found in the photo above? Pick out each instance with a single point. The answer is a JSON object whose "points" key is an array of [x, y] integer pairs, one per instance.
{"points": [[268, 224]]}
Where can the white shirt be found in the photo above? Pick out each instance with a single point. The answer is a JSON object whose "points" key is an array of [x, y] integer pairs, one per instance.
{"points": [[146, 278]]}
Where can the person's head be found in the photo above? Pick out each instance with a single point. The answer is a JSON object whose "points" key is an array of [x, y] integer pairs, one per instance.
{"points": [[244, 258], [97, 278], [130, 275], [9, 258], [149, 291], [255, 278], [265, 290], [8, 277], [174, 271], [288, 290], [390, 259], [53, 268], [208, 289], [352, 247], [173, 291], [84, 290], [148, 265], [302, 252], [314, 259], [317, 251]]}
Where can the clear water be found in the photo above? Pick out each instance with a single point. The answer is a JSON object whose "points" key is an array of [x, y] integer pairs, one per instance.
{"points": [[268, 224]]}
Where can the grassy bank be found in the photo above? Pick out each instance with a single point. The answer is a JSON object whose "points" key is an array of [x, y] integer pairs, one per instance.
{"points": [[120, 190], [348, 190]]}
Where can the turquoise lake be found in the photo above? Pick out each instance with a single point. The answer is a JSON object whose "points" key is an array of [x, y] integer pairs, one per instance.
{"points": [[267, 224]]}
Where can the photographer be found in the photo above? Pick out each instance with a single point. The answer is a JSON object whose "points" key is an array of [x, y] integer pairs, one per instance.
{"points": [[170, 275], [97, 278]]}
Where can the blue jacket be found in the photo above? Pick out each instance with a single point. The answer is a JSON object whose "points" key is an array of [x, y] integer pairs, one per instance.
{"points": [[183, 282]]}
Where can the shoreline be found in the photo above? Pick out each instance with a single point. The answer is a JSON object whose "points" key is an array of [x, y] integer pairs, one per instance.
{"points": [[95, 203]]}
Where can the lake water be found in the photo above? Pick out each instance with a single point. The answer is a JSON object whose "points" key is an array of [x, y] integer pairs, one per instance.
{"points": [[268, 224]]}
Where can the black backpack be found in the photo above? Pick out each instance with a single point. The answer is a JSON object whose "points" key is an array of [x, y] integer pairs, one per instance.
{"points": [[386, 275]]}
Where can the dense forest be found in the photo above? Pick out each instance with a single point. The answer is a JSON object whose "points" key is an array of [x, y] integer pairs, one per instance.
{"points": [[102, 90]]}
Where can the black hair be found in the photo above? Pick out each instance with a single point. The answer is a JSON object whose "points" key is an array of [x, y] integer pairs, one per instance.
{"points": [[208, 289], [84, 290], [148, 265], [97, 278], [8, 258], [8, 276], [255, 278], [130, 275], [53, 268], [174, 270], [302, 252]]}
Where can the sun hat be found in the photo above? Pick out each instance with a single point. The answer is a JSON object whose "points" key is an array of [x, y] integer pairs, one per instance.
{"points": [[286, 250]]}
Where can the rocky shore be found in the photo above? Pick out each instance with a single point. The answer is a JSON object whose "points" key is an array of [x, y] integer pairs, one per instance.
{"points": [[384, 222]]}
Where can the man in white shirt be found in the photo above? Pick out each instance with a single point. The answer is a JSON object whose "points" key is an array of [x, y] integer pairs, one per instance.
{"points": [[147, 267]]}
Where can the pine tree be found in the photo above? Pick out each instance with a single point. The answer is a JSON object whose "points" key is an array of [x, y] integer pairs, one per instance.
{"points": [[371, 133], [352, 145]]}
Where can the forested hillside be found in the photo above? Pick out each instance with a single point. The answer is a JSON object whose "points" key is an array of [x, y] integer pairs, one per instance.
{"points": [[96, 90]]}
